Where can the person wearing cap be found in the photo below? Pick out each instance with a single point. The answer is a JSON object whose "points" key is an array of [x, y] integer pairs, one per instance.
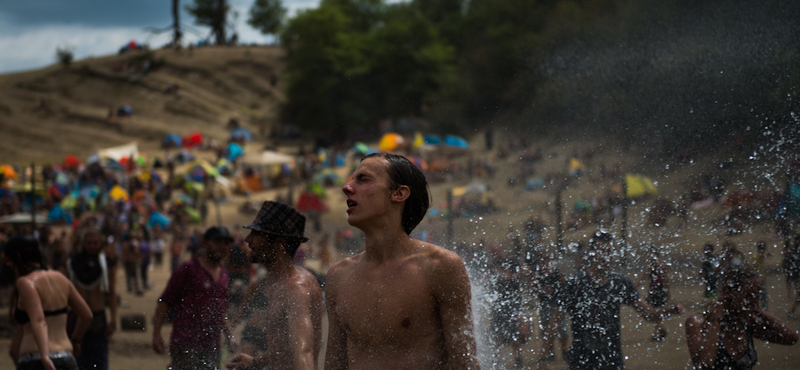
{"points": [[402, 303], [197, 294], [287, 303], [592, 298]]}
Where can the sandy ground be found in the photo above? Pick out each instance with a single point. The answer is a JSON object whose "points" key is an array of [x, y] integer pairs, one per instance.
{"points": [[131, 350]]}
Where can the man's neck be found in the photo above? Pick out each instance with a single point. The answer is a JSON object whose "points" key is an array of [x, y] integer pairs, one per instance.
{"points": [[383, 246], [207, 263]]}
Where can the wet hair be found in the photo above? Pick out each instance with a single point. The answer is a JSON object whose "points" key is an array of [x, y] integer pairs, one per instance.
{"points": [[600, 236], [708, 247], [24, 252], [291, 246], [404, 172]]}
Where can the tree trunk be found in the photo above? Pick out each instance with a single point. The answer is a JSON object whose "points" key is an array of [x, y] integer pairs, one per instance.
{"points": [[177, 35], [219, 22]]}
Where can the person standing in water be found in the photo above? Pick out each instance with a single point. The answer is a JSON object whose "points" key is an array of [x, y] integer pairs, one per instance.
{"points": [[288, 301], [402, 303]]}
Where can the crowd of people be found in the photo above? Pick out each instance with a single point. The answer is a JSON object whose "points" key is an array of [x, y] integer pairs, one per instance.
{"points": [[393, 300]]}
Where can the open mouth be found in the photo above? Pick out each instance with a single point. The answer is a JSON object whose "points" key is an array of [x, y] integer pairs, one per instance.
{"points": [[350, 205]]}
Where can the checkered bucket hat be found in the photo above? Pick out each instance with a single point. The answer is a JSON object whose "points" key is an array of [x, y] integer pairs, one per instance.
{"points": [[279, 219]]}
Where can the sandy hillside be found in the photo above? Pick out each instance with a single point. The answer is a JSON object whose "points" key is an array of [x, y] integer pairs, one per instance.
{"points": [[47, 113]]}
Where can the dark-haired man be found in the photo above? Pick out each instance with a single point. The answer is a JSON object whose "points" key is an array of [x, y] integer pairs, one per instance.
{"points": [[197, 292], [593, 298], [288, 333], [401, 303]]}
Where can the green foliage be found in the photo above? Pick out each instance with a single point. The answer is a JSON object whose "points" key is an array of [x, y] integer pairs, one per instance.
{"points": [[267, 16], [213, 14], [64, 55], [349, 70]]}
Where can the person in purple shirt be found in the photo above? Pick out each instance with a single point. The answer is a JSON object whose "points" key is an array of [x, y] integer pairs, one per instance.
{"points": [[197, 292]]}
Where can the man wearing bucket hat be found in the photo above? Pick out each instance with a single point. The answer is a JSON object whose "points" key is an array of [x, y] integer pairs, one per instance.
{"points": [[197, 292], [290, 330], [402, 303]]}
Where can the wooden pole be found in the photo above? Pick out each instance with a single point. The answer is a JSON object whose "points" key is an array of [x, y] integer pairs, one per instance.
{"points": [[33, 198], [624, 227], [449, 219], [559, 222]]}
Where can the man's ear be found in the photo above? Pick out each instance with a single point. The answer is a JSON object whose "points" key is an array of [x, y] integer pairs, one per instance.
{"points": [[401, 194]]}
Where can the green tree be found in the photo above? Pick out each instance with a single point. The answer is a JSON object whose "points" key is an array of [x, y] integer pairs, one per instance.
{"points": [[267, 16], [350, 72], [213, 14]]}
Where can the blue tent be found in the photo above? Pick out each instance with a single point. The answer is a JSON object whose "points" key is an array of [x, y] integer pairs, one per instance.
{"points": [[172, 140], [234, 151], [241, 133], [432, 139], [456, 141]]}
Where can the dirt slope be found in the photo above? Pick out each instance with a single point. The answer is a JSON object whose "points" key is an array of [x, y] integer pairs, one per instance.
{"points": [[47, 113]]}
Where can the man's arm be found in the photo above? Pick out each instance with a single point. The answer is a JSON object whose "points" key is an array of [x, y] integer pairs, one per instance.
{"points": [[452, 291], [158, 320], [547, 337], [301, 326], [336, 352], [112, 300]]}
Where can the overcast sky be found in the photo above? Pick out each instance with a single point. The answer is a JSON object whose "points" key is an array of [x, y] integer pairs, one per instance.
{"points": [[31, 30]]}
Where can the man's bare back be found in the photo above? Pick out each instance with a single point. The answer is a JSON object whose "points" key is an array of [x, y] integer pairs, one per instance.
{"points": [[403, 312]]}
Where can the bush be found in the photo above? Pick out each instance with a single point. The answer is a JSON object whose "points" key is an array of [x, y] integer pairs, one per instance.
{"points": [[64, 55]]}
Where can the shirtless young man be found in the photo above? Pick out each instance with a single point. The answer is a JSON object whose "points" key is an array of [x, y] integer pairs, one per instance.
{"points": [[402, 303], [288, 300]]}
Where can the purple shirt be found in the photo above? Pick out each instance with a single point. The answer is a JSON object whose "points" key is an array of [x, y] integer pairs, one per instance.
{"points": [[198, 306]]}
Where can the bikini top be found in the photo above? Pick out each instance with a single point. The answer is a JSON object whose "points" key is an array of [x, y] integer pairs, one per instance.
{"points": [[22, 318], [724, 361]]}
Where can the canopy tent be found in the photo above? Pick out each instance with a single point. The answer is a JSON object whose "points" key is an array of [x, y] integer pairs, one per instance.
{"points": [[390, 141], [118, 152], [432, 139], [456, 141], [266, 157], [22, 218], [639, 185], [198, 165]]}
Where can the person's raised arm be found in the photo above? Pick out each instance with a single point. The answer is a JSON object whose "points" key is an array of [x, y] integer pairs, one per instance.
{"points": [[336, 350], [452, 291]]}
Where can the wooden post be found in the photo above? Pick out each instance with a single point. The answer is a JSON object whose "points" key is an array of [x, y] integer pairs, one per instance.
{"points": [[559, 222], [449, 219], [624, 227], [33, 198]]}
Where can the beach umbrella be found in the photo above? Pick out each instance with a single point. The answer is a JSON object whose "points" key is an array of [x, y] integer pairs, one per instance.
{"points": [[390, 141], [456, 141], [57, 214], [71, 162], [8, 171], [118, 194], [419, 140], [241, 133]]}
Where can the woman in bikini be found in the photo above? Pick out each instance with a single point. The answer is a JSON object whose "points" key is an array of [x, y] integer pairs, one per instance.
{"points": [[722, 337], [42, 300]]}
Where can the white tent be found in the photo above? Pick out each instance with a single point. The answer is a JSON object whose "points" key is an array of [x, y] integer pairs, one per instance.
{"points": [[22, 218], [118, 152], [266, 157]]}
